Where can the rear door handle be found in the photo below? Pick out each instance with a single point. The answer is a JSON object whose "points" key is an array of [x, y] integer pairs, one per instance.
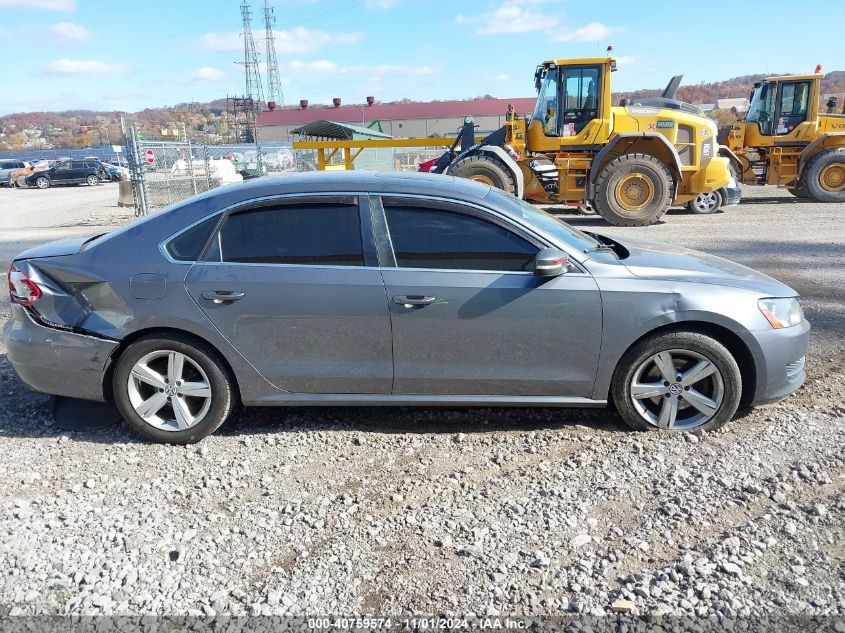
{"points": [[413, 300], [222, 296]]}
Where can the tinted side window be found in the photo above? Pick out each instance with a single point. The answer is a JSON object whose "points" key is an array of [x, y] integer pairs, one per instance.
{"points": [[429, 238], [187, 246], [309, 234]]}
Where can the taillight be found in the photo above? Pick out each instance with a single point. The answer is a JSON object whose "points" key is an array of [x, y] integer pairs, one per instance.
{"points": [[22, 290]]}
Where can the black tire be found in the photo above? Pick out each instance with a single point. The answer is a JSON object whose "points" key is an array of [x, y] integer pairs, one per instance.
{"points": [[705, 204], [92, 180], [799, 191], [655, 205], [692, 343], [222, 384], [42, 182], [829, 166], [485, 169]]}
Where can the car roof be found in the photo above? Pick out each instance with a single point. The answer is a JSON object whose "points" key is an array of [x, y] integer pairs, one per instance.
{"points": [[408, 183], [385, 182]]}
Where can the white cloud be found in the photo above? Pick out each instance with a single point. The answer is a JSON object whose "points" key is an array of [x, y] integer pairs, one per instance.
{"points": [[296, 40], [592, 32], [66, 32], [319, 66], [626, 61], [381, 4], [83, 67], [371, 72], [206, 74], [46, 5], [501, 77], [220, 42], [513, 16]]}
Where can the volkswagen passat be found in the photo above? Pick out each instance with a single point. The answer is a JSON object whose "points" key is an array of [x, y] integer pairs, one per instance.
{"points": [[393, 289]]}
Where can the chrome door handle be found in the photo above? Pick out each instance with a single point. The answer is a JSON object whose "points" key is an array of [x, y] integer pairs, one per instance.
{"points": [[222, 296], [413, 300]]}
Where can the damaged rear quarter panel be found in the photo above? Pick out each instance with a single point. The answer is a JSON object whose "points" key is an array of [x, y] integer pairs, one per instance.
{"points": [[91, 292]]}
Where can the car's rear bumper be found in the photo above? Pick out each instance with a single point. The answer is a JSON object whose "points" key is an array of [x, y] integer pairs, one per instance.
{"points": [[56, 361], [731, 195], [783, 355]]}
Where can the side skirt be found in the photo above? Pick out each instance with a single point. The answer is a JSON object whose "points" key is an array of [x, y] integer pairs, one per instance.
{"points": [[385, 400]]}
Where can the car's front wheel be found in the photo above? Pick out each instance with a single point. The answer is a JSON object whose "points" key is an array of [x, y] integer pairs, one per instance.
{"points": [[679, 381], [42, 182], [92, 180], [172, 389]]}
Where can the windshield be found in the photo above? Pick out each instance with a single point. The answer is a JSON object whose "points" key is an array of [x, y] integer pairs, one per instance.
{"points": [[546, 110], [543, 221], [762, 108]]}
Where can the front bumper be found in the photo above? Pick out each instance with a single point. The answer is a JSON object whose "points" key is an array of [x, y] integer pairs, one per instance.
{"points": [[780, 368], [56, 361]]}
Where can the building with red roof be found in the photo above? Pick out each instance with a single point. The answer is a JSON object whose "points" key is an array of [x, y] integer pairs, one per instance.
{"points": [[400, 120]]}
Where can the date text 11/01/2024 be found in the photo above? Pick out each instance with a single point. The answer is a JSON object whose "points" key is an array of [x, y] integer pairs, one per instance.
{"points": [[417, 624]]}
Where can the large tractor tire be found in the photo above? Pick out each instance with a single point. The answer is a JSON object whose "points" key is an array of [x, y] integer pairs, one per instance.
{"points": [[824, 177], [633, 190], [799, 191], [485, 169]]}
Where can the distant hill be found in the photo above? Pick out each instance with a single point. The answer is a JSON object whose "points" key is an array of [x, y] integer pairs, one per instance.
{"points": [[833, 83], [84, 128]]}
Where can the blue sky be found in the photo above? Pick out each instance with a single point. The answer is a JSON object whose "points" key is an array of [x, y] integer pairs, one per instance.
{"points": [[107, 55]]}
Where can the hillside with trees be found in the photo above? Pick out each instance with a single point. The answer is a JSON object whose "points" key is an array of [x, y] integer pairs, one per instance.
{"points": [[84, 128]]}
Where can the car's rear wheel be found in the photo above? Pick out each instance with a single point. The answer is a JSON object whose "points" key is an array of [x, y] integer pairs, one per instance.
{"points": [[706, 203], [92, 180], [173, 390], [42, 182], [679, 381], [20, 181]]}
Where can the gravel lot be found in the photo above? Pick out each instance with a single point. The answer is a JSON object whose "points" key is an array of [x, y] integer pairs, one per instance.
{"points": [[523, 512]]}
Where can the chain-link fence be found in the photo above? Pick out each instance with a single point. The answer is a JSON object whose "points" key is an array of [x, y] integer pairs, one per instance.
{"points": [[164, 172]]}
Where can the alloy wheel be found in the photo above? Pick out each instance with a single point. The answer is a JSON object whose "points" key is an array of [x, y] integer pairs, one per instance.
{"points": [[677, 389], [706, 202], [169, 390]]}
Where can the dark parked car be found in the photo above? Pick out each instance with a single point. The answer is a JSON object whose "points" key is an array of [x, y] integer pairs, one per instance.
{"points": [[393, 289], [68, 172]]}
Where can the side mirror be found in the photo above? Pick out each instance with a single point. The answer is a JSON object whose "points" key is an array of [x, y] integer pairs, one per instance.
{"points": [[551, 262]]}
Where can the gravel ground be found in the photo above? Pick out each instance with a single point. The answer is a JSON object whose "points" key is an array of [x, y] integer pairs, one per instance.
{"points": [[523, 512]]}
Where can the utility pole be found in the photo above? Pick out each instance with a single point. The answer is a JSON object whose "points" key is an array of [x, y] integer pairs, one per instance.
{"points": [[254, 90], [274, 83]]}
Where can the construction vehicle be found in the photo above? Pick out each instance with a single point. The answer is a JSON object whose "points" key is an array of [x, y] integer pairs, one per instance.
{"points": [[629, 162], [786, 141]]}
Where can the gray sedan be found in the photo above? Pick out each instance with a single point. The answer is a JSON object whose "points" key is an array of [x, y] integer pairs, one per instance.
{"points": [[393, 289]]}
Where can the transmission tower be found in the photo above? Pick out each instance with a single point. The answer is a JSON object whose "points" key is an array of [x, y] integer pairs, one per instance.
{"points": [[274, 83], [254, 90]]}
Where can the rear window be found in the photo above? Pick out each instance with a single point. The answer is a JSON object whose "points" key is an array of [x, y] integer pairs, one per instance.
{"points": [[187, 246], [302, 234]]}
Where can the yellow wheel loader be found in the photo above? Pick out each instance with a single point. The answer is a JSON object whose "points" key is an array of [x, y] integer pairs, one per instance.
{"points": [[786, 141], [629, 162]]}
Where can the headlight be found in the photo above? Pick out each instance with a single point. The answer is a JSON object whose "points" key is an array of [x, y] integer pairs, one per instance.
{"points": [[781, 313]]}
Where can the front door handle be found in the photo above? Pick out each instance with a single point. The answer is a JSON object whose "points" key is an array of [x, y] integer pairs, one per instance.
{"points": [[222, 296], [413, 300]]}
